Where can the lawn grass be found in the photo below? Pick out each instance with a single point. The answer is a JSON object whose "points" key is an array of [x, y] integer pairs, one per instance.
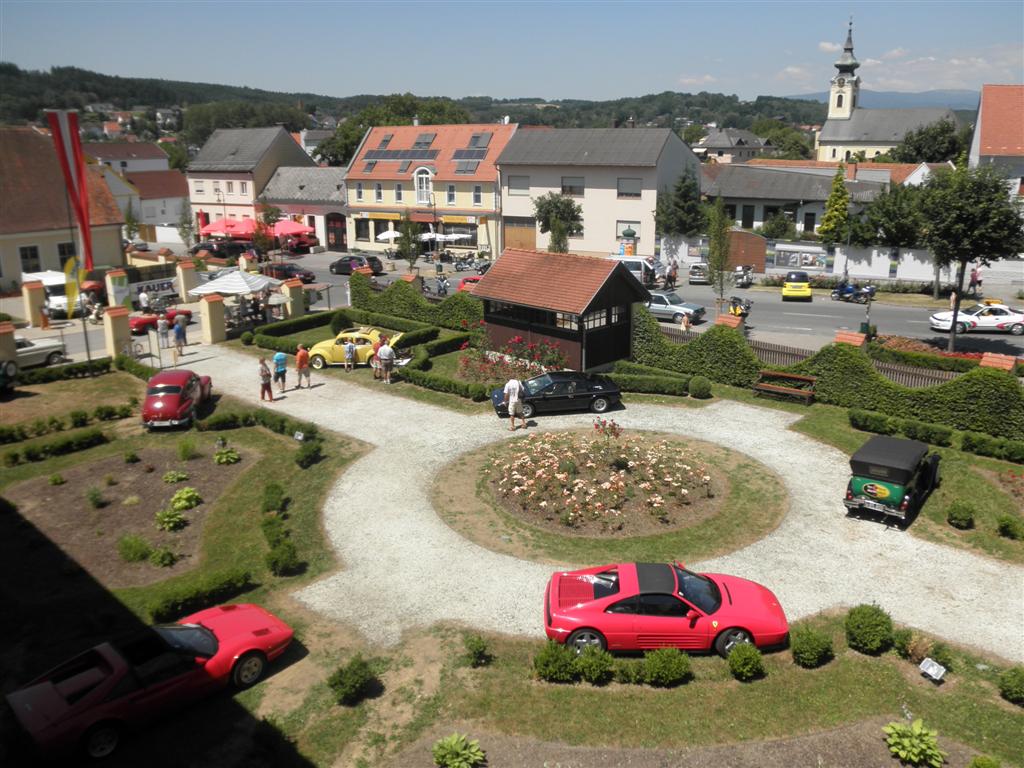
{"points": [[59, 398]]}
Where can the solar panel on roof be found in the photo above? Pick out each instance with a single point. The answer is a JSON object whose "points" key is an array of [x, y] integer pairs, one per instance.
{"points": [[404, 166], [485, 139], [469, 154], [424, 140], [368, 168], [385, 141]]}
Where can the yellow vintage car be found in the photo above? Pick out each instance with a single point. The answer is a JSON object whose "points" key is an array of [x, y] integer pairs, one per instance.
{"points": [[797, 285], [332, 351]]}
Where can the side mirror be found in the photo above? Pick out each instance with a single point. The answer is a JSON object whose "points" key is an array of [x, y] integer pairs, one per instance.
{"points": [[692, 615]]}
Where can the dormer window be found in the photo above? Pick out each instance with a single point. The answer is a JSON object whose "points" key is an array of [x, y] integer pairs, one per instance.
{"points": [[385, 141], [424, 140]]}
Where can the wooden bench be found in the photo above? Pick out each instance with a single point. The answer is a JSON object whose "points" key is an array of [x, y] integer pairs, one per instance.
{"points": [[805, 393]]}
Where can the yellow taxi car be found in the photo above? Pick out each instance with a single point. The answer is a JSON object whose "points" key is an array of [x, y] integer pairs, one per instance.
{"points": [[797, 285], [332, 351]]}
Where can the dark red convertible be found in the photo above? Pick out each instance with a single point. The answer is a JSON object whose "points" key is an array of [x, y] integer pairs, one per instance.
{"points": [[173, 397], [140, 324]]}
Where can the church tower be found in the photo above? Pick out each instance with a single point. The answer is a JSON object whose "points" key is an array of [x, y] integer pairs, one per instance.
{"points": [[845, 86]]}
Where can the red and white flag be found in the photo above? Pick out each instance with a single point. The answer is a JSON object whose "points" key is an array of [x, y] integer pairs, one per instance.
{"points": [[64, 127]]}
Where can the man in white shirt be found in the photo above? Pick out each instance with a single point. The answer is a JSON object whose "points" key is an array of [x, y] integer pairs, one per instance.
{"points": [[386, 355], [144, 301], [514, 402]]}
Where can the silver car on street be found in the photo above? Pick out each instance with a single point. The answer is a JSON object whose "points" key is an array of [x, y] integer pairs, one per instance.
{"points": [[38, 352], [669, 305]]}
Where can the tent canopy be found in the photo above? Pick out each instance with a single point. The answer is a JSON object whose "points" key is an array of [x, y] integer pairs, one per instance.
{"points": [[236, 284]]}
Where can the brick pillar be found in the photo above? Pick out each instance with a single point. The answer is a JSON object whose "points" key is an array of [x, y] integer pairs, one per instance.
{"points": [[33, 296], [8, 350], [853, 338], [293, 290], [187, 279], [999, 362], [116, 332], [732, 321], [117, 289], [211, 309]]}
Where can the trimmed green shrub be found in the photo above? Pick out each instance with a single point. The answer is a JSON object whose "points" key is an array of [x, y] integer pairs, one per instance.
{"points": [[95, 498], [283, 558], [984, 761], [247, 337], [636, 369], [457, 751], [226, 456], [1011, 685], [943, 655], [175, 476], [133, 549], [170, 520], [555, 663], [629, 671], [79, 419], [162, 558], [109, 480], [352, 682], [135, 368], [596, 666], [220, 421], [746, 662], [458, 311], [666, 668], [273, 497], [901, 639], [999, 448], [185, 498], [810, 647], [296, 324], [69, 444], [936, 434], [868, 629], [104, 413], [131, 457], [198, 593], [869, 421], [655, 385], [309, 453], [274, 530], [124, 411], [477, 652], [57, 480], [63, 372], [187, 449], [12, 458], [700, 388], [13, 434], [1010, 527], [960, 514], [914, 744], [55, 423]]}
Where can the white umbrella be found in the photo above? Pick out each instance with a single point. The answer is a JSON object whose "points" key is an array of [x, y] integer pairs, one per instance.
{"points": [[457, 236], [430, 236], [236, 283], [389, 235]]}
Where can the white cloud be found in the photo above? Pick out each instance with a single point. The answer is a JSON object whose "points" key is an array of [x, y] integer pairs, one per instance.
{"points": [[829, 47], [697, 79], [895, 53], [871, 63], [967, 68], [792, 72]]}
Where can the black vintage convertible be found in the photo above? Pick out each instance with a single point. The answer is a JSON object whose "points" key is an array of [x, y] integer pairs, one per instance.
{"points": [[562, 391]]}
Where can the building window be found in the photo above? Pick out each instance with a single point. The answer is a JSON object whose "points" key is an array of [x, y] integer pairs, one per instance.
{"points": [[424, 186], [216, 187], [730, 211], [519, 185], [362, 229], [572, 186], [65, 251], [478, 195], [620, 314], [29, 258], [231, 187], [359, 191], [398, 193], [199, 187], [596, 319], [622, 226], [451, 194], [833, 152], [379, 227], [839, 101], [469, 230], [243, 188], [378, 192], [563, 320], [809, 221], [629, 187]]}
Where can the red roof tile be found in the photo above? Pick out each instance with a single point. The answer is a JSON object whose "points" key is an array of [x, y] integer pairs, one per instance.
{"points": [[159, 184], [898, 172], [1002, 120], [447, 140], [123, 150], [32, 186], [563, 282]]}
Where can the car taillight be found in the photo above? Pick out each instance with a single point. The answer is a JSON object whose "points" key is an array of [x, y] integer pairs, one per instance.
{"points": [[904, 504], [849, 493]]}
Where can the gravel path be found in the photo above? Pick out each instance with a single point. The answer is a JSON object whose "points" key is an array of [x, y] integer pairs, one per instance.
{"points": [[403, 567]]}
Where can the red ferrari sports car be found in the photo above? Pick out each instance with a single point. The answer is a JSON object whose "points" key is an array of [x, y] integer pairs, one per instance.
{"points": [[89, 701], [639, 606], [142, 323], [173, 397]]}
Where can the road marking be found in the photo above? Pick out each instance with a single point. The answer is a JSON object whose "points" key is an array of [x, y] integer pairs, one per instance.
{"points": [[761, 326], [918, 322], [811, 314]]}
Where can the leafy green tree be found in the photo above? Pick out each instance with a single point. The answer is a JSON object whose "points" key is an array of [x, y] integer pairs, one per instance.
{"points": [[719, 226], [693, 133], [131, 222], [787, 143], [267, 217], [408, 240], [554, 207], [201, 120], [835, 223], [779, 227], [968, 216], [186, 225], [935, 143], [558, 242], [680, 213], [177, 154]]}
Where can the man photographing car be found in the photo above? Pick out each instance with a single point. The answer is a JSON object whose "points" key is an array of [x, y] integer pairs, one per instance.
{"points": [[514, 403]]}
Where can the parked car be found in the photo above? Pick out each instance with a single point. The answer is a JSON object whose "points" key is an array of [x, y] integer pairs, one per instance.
{"points": [[287, 272], [641, 606], [332, 351], [350, 262], [39, 351], [302, 243], [892, 476], [8, 375], [562, 391], [140, 245], [981, 317], [467, 283], [698, 275], [797, 285], [173, 397], [90, 701], [669, 305], [140, 324]]}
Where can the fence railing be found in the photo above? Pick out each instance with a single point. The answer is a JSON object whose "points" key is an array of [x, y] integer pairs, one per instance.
{"points": [[913, 376]]}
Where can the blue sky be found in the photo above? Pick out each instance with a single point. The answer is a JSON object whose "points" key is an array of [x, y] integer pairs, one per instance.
{"points": [[551, 50]]}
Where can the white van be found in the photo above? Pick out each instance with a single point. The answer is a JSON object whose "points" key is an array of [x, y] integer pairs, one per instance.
{"points": [[639, 265], [54, 283]]}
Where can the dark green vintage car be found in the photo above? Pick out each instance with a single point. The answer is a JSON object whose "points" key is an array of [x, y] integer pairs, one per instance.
{"points": [[891, 476]]}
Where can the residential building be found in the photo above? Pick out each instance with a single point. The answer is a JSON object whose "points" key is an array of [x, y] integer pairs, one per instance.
{"points": [[315, 197], [37, 229], [443, 177], [999, 134], [127, 157], [310, 137], [124, 193], [112, 129], [730, 145], [614, 174], [168, 119], [911, 174], [850, 129], [228, 175], [162, 195]]}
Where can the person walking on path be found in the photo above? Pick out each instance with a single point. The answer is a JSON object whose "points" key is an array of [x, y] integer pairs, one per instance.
{"points": [[975, 283], [350, 356], [684, 321], [952, 300], [266, 393], [386, 355], [514, 402], [280, 361], [163, 330], [181, 321], [144, 301], [302, 367], [179, 339], [44, 313], [374, 360]]}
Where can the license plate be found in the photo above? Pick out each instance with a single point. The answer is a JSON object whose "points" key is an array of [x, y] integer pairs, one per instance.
{"points": [[875, 506]]}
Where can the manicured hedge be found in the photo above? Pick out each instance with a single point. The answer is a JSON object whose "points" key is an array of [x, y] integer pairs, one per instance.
{"points": [[135, 368], [61, 446], [347, 318], [627, 366], [403, 300], [924, 360], [270, 336], [275, 422], [656, 385], [61, 372], [296, 324], [937, 434], [997, 447], [197, 594]]}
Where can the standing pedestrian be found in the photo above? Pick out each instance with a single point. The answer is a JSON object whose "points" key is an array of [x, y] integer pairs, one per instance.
{"points": [[163, 330], [266, 393], [513, 397], [179, 340], [302, 367], [44, 314], [144, 301], [350, 356], [374, 360], [673, 272], [684, 321], [952, 300], [386, 355], [975, 282], [181, 321], [280, 361]]}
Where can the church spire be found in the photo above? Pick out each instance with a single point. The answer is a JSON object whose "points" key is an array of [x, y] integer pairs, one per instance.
{"points": [[847, 64]]}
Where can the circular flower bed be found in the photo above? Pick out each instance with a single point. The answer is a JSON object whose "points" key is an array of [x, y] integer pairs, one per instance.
{"points": [[602, 482]]}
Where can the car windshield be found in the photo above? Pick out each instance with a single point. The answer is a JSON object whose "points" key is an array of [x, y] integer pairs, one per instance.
{"points": [[533, 386], [673, 298], [697, 268], [796, 277], [975, 309], [189, 638], [698, 590], [164, 389]]}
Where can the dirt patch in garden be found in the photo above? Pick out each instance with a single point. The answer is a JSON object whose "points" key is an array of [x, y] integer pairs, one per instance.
{"points": [[90, 536], [1011, 481]]}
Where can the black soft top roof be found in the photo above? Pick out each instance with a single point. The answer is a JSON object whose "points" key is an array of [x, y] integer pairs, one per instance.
{"points": [[892, 452], [655, 577]]}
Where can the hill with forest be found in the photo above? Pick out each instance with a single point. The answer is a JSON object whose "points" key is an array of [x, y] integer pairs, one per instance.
{"points": [[955, 99]]}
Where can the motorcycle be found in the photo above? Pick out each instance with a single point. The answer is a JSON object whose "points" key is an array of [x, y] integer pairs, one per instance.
{"points": [[95, 316], [442, 286], [739, 307], [743, 276], [462, 264], [482, 266], [854, 293]]}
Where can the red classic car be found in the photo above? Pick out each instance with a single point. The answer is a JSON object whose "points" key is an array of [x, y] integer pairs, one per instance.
{"points": [[468, 283], [140, 324], [89, 701], [640, 606], [173, 397]]}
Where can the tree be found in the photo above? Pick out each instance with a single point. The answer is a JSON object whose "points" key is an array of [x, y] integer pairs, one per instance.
{"points": [[554, 207], [786, 142], [408, 240], [559, 240], [779, 227], [969, 216], [131, 222], [693, 133], [936, 143], [186, 225], [719, 226], [177, 155], [835, 224], [681, 213], [267, 217]]}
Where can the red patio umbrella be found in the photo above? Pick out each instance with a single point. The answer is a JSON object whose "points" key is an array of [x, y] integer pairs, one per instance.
{"points": [[245, 227], [219, 227], [287, 227]]}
